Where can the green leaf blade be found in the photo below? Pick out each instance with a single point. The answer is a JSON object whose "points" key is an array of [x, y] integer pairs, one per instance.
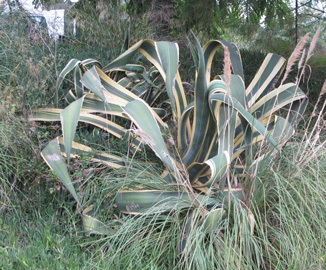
{"points": [[52, 156], [69, 120]]}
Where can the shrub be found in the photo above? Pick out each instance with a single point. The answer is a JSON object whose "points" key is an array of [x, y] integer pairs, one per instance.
{"points": [[222, 137]]}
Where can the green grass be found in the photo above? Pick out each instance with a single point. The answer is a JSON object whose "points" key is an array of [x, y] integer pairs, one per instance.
{"points": [[42, 230], [40, 240], [35, 231]]}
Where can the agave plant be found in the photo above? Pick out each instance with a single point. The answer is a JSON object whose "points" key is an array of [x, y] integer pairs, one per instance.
{"points": [[221, 135]]}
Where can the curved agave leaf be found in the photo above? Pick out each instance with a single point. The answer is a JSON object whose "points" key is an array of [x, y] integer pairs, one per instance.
{"points": [[193, 52], [277, 99], [168, 54], [93, 82], [209, 142], [97, 81], [93, 104], [164, 56], [45, 114], [226, 128], [227, 117], [134, 69], [114, 88], [265, 78], [116, 94], [52, 156], [125, 45], [183, 123], [237, 91], [237, 88], [79, 88], [70, 97], [202, 115], [210, 49], [54, 115], [273, 128], [143, 116], [157, 201], [94, 226], [146, 47], [288, 94], [219, 96], [78, 149], [160, 112], [244, 140], [74, 64], [281, 131], [125, 82], [151, 97], [69, 119], [217, 170], [68, 68]]}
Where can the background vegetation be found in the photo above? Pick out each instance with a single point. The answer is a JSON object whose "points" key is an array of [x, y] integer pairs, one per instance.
{"points": [[40, 227]]}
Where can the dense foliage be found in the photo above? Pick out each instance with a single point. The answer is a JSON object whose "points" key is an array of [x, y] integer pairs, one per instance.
{"points": [[207, 170]]}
